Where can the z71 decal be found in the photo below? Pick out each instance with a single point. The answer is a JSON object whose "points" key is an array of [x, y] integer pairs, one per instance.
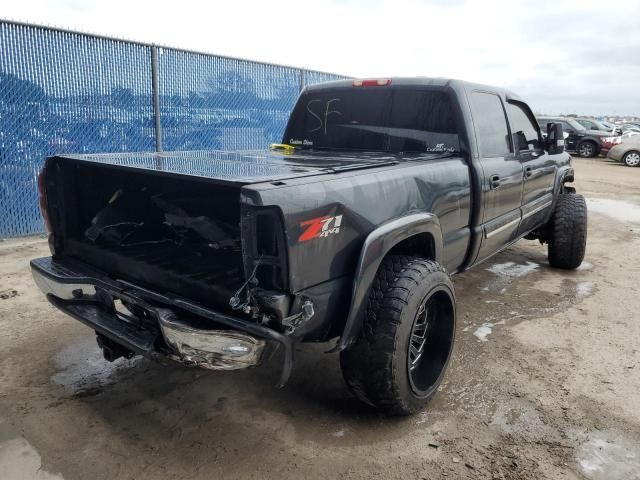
{"points": [[320, 227]]}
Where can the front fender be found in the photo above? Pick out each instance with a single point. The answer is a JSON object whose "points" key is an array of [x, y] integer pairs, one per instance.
{"points": [[376, 246], [563, 175]]}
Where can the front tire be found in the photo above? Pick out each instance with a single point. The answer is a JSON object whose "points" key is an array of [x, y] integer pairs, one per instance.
{"points": [[404, 346], [587, 149], [631, 158], [567, 232]]}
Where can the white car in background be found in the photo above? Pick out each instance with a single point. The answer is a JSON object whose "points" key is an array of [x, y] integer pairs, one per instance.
{"points": [[627, 152]]}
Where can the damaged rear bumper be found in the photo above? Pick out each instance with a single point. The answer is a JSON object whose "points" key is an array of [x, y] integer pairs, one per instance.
{"points": [[211, 349], [160, 330]]}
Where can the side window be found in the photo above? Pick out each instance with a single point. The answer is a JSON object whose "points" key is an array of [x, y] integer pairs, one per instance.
{"points": [[523, 127], [566, 127], [491, 125]]}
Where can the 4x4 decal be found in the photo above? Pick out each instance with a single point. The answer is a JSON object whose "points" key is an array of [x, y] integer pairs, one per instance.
{"points": [[320, 227]]}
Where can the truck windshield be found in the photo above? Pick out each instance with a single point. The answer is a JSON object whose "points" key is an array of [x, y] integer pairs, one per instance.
{"points": [[378, 119]]}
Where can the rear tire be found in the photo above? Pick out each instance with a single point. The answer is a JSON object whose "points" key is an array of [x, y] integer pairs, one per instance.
{"points": [[631, 158], [587, 149], [404, 346], [567, 232]]}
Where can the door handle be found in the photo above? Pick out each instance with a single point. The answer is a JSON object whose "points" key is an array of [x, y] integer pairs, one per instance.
{"points": [[494, 182], [528, 171]]}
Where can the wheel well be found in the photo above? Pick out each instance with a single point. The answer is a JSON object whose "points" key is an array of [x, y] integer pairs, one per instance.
{"points": [[419, 245]]}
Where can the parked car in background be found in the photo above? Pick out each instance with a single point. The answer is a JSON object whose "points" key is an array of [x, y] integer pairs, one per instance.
{"points": [[630, 128], [591, 124], [628, 134], [586, 143], [611, 126], [609, 142], [627, 152]]}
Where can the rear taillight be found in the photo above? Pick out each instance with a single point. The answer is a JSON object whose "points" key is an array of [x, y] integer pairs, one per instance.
{"points": [[372, 82], [265, 247], [42, 199]]}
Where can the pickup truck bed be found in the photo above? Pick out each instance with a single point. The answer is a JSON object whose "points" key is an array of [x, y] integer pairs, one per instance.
{"points": [[207, 190]]}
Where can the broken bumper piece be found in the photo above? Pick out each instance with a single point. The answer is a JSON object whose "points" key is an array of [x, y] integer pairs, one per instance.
{"points": [[90, 296]]}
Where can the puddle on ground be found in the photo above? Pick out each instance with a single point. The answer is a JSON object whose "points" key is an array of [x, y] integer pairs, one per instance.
{"points": [[512, 269], [19, 460], [484, 330], [584, 266], [84, 372], [504, 275], [584, 289], [518, 418], [608, 457], [617, 209], [537, 296]]}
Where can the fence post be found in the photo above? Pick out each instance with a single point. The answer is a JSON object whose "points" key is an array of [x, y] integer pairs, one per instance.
{"points": [[155, 92]]}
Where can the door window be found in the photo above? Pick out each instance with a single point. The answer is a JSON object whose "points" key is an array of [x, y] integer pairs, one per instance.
{"points": [[566, 127], [492, 130], [524, 128]]}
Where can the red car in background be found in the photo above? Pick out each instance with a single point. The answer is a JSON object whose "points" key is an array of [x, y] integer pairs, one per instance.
{"points": [[609, 142]]}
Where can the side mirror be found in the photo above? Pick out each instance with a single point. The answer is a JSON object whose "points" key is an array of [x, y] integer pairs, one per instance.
{"points": [[555, 138], [521, 140]]}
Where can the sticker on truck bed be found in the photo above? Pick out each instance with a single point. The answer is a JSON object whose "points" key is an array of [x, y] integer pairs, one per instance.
{"points": [[320, 227]]}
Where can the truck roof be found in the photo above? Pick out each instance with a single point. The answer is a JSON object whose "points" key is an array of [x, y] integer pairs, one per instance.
{"points": [[435, 82]]}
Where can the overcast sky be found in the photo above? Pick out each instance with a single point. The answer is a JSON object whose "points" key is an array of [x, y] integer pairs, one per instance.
{"points": [[562, 56]]}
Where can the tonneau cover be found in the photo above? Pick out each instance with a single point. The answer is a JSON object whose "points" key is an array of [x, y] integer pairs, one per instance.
{"points": [[241, 167]]}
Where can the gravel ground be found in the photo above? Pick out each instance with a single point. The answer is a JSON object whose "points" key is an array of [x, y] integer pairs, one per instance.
{"points": [[544, 383]]}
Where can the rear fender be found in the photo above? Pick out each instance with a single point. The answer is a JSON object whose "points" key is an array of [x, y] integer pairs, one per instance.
{"points": [[376, 246]]}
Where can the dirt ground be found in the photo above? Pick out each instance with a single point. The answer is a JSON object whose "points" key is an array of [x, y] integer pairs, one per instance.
{"points": [[544, 383]]}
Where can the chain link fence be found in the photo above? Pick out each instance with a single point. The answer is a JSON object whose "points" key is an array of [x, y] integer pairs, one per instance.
{"points": [[63, 91]]}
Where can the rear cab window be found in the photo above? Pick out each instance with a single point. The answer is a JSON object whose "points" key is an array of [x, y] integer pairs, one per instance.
{"points": [[376, 119]]}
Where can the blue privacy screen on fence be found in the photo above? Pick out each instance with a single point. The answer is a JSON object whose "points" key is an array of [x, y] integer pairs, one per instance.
{"points": [[67, 92], [211, 102]]}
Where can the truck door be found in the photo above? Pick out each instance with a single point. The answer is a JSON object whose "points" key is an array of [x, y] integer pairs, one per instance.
{"points": [[539, 167], [501, 188]]}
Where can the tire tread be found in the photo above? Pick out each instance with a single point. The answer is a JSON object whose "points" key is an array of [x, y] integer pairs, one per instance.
{"points": [[368, 364], [568, 232]]}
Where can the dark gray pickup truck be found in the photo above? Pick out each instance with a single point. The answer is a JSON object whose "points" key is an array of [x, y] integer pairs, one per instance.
{"points": [[349, 229]]}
